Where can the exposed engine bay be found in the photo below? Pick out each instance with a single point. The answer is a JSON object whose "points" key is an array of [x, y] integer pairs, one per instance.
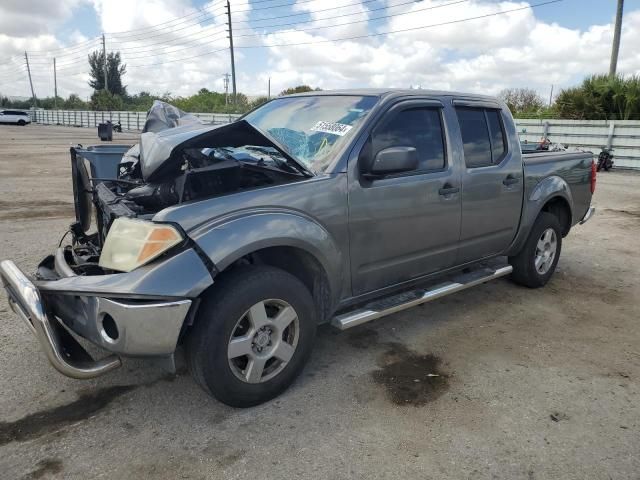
{"points": [[204, 173], [178, 160]]}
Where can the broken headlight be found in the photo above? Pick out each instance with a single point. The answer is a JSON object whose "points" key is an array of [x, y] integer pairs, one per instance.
{"points": [[132, 243]]}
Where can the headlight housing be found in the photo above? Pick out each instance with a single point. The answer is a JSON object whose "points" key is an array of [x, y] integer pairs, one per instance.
{"points": [[132, 243]]}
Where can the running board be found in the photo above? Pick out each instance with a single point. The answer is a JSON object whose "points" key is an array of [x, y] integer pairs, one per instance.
{"points": [[402, 301]]}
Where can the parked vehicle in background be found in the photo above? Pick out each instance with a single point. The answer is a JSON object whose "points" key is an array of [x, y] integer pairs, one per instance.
{"points": [[605, 159], [236, 241], [18, 117]]}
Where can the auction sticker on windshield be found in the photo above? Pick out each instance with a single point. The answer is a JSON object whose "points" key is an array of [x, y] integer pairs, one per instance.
{"points": [[330, 127]]}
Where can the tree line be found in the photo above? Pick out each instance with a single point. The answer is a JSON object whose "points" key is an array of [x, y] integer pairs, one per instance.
{"points": [[114, 95], [599, 97]]}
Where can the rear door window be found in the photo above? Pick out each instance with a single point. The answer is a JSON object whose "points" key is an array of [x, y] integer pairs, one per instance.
{"points": [[475, 136], [482, 136]]}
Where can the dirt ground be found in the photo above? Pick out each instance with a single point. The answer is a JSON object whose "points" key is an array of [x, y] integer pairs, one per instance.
{"points": [[533, 384]]}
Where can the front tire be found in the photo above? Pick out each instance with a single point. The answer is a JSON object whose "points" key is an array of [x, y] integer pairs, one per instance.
{"points": [[534, 265], [253, 334]]}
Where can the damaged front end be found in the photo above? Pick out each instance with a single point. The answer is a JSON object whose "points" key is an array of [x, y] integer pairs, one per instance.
{"points": [[124, 282]]}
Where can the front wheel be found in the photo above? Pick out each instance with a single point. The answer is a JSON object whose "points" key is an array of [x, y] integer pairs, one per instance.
{"points": [[253, 335], [537, 260]]}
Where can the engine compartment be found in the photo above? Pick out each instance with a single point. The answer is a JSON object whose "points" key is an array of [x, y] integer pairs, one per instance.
{"points": [[204, 173]]}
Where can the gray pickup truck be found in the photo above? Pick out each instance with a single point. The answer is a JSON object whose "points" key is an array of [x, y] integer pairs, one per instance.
{"points": [[236, 241]]}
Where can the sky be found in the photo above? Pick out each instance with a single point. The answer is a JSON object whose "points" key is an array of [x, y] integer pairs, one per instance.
{"points": [[180, 46]]}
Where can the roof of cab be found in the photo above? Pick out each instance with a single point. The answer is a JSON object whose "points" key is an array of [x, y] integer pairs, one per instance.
{"points": [[394, 92]]}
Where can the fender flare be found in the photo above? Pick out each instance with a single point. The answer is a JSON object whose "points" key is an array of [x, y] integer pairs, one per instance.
{"points": [[548, 189], [227, 239]]}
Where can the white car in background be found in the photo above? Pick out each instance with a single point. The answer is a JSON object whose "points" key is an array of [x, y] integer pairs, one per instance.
{"points": [[19, 117]]}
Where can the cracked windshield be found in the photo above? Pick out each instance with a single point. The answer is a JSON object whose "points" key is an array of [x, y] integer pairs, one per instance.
{"points": [[312, 128]]}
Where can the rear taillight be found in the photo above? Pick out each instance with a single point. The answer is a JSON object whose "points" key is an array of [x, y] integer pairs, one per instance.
{"points": [[593, 176]]}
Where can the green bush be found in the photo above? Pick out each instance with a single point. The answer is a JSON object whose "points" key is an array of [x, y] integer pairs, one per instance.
{"points": [[601, 97]]}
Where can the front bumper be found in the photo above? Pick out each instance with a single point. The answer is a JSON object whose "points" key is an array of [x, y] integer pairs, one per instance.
{"points": [[139, 326]]}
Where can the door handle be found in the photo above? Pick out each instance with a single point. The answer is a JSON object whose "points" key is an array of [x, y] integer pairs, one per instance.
{"points": [[510, 180], [448, 190]]}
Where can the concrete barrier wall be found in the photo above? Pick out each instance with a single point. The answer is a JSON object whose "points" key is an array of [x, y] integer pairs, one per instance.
{"points": [[129, 120], [622, 135]]}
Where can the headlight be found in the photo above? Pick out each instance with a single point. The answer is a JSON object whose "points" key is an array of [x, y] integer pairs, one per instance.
{"points": [[132, 243]]}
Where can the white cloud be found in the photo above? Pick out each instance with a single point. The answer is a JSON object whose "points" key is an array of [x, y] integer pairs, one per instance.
{"points": [[486, 54], [18, 20]]}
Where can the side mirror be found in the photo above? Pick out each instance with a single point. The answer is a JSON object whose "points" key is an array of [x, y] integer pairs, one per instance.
{"points": [[393, 160]]}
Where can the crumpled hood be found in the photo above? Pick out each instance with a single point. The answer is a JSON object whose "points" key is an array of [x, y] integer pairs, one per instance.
{"points": [[157, 147], [160, 153]]}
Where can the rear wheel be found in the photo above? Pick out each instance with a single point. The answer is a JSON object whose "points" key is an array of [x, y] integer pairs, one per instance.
{"points": [[534, 265], [253, 335], [22, 123]]}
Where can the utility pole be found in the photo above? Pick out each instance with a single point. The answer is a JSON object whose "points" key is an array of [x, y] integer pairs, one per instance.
{"points": [[269, 89], [33, 93], [551, 96], [225, 79], [616, 40], [104, 54], [233, 61], [55, 85]]}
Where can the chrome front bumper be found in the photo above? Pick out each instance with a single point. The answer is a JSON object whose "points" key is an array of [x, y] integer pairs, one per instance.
{"points": [[138, 328], [587, 216]]}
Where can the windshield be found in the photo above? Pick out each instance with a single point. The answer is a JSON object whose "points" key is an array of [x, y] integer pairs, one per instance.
{"points": [[312, 128]]}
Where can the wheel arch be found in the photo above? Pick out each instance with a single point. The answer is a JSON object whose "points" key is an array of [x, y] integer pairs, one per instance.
{"points": [[291, 242], [552, 195], [559, 206], [302, 265]]}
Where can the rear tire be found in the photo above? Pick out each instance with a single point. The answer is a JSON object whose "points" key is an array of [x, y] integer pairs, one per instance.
{"points": [[534, 265], [253, 334], [22, 123]]}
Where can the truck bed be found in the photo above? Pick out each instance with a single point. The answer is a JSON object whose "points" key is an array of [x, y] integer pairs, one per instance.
{"points": [[572, 167]]}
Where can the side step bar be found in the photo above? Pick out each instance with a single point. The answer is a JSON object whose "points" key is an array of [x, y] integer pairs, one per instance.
{"points": [[402, 301]]}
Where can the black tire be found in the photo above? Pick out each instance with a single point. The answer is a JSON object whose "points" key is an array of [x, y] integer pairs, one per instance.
{"points": [[22, 123], [524, 266], [222, 308]]}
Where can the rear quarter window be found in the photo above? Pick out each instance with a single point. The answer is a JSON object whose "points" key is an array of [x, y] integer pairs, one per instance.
{"points": [[498, 144]]}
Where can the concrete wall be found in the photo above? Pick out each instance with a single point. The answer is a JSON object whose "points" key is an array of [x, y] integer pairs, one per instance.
{"points": [[128, 120], [624, 136]]}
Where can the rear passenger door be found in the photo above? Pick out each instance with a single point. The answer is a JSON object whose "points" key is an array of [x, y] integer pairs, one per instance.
{"points": [[492, 182]]}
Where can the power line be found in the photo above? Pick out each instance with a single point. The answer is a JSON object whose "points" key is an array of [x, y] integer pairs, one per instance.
{"points": [[182, 59], [74, 56], [360, 21], [221, 6], [181, 40], [19, 74], [377, 34], [68, 62], [198, 12], [160, 31], [114, 39], [77, 46], [405, 29]]}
